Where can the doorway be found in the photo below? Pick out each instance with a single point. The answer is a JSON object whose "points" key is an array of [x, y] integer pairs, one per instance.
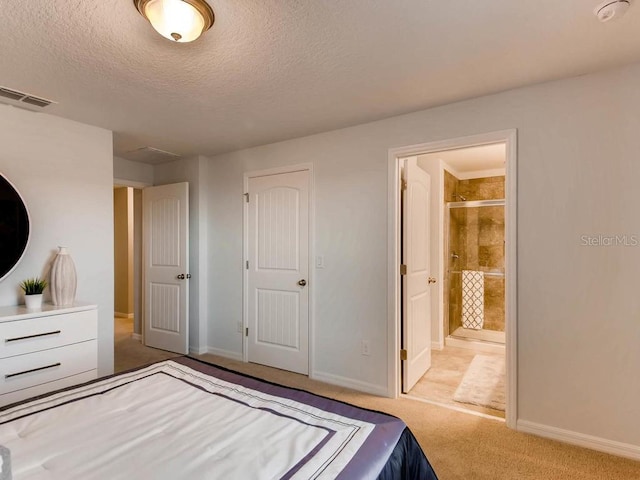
{"points": [[472, 215], [129, 350], [127, 258], [127, 228]]}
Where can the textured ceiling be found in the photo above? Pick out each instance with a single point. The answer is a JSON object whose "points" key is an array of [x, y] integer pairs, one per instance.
{"points": [[275, 69]]}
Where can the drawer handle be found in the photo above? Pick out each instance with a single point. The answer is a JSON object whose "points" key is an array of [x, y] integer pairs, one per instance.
{"points": [[33, 370], [16, 339]]}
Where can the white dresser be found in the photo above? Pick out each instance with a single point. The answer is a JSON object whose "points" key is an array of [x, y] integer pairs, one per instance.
{"points": [[44, 350]]}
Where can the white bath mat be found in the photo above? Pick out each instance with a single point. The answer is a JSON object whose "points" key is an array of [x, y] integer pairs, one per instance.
{"points": [[483, 382]]}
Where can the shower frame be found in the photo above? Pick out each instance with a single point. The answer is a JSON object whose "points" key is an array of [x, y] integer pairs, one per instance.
{"points": [[447, 232]]}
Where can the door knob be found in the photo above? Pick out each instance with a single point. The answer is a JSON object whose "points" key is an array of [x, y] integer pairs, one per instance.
{"points": [[432, 280], [180, 277], [302, 282]]}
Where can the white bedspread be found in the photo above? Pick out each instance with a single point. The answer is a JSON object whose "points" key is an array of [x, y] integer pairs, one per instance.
{"points": [[161, 427]]}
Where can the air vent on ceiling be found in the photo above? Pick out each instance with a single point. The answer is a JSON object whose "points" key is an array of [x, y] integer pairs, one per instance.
{"points": [[12, 94], [23, 97], [38, 102], [151, 155]]}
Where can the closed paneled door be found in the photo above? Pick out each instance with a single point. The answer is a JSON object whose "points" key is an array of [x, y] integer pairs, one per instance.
{"points": [[278, 271]]}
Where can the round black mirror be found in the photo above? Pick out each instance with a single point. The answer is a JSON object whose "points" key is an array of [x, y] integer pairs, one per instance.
{"points": [[14, 227]]}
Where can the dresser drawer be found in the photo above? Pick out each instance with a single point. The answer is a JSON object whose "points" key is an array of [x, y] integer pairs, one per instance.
{"points": [[24, 371], [35, 334]]}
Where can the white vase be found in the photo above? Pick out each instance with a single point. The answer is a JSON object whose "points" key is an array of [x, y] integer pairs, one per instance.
{"points": [[63, 279], [33, 302]]}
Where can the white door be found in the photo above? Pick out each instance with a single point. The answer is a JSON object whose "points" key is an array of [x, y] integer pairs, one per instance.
{"points": [[278, 271], [416, 292], [165, 233]]}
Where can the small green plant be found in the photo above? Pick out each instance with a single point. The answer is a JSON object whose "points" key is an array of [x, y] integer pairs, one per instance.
{"points": [[33, 286]]}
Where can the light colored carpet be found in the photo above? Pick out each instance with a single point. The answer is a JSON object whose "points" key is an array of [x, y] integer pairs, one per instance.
{"points": [[130, 353], [459, 446], [483, 383], [462, 446]]}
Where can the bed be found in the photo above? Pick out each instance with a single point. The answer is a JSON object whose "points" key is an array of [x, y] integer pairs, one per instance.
{"points": [[188, 419]]}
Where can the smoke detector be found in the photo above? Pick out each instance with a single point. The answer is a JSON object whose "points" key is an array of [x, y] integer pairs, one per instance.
{"points": [[611, 9]]}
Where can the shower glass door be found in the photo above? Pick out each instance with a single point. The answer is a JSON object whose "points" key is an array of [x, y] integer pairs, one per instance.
{"points": [[475, 270]]}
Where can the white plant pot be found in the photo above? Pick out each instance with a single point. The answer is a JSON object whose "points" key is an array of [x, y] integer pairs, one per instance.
{"points": [[33, 302]]}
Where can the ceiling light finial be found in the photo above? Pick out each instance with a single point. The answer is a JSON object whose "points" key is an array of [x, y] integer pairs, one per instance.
{"points": [[611, 9], [178, 20]]}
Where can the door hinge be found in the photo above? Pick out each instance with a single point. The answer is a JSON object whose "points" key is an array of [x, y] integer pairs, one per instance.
{"points": [[403, 184], [403, 354], [403, 269], [246, 332], [247, 265], [246, 197]]}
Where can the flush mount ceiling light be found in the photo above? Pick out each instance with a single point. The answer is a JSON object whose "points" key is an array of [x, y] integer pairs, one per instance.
{"points": [[179, 20], [611, 9]]}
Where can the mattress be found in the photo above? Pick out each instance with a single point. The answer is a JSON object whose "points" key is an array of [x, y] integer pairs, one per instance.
{"points": [[184, 418]]}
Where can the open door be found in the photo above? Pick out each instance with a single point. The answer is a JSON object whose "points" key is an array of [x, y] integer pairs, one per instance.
{"points": [[165, 213], [416, 281]]}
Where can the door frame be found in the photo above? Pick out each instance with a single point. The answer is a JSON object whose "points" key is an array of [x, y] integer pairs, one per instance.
{"points": [[509, 137], [245, 254], [138, 286]]}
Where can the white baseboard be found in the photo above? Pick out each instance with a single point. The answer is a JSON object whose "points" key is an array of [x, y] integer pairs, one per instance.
{"points": [[136, 336], [198, 350], [582, 440], [436, 345], [350, 383], [224, 353], [122, 315]]}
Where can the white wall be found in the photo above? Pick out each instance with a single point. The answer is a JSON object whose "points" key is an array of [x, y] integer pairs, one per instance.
{"points": [[194, 171], [350, 292], [578, 311], [64, 171], [132, 171]]}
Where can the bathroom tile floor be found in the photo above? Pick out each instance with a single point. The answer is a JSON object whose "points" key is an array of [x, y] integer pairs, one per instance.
{"points": [[439, 384]]}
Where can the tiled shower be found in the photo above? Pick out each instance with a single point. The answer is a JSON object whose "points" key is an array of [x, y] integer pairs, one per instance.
{"points": [[475, 253]]}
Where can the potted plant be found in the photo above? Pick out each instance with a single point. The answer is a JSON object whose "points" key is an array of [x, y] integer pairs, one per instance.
{"points": [[33, 288]]}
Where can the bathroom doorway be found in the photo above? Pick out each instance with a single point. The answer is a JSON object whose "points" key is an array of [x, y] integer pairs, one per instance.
{"points": [[472, 256]]}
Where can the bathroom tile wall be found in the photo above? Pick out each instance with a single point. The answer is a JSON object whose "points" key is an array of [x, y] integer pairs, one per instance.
{"points": [[477, 237], [453, 294], [487, 188], [490, 246], [451, 184]]}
